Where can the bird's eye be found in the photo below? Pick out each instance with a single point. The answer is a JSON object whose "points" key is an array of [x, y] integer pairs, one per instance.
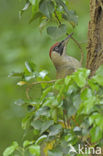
{"points": [[56, 48]]}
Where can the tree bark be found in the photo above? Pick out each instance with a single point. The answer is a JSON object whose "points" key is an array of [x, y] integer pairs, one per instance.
{"points": [[95, 36]]}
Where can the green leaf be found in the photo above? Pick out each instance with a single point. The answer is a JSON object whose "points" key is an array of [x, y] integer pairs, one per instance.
{"points": [[70, 14], [45, 92], [71, 110], [93, 84], [20, 102], [25, 8], [96, 119], [88, 101], [54, 130], [35, 150], [72, 88], [56, 32], [32, 2], [46, 125], [30, 66], [51, 102], [54, 114], [27, 119], [42, 126], [71, 17], [16, 74], [100, 70], [28, 78], [76, 101], [46, 7], [80, 76], [27, 143], [37, 124], [40, 139], [35, 16], [43, 73], [98, 78], [67, 80], [9, 150], [86, 94], [96, 134], [77, 129], [43, 111], [55, 153]]}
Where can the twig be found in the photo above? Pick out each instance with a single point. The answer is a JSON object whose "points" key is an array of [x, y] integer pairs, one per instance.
{"points": [[51, 81], [35, 83], [77, 43], [57, 18]]}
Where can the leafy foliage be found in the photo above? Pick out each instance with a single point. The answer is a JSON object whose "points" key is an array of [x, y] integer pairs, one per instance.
{"points": [[69, 111], [50, 13]]}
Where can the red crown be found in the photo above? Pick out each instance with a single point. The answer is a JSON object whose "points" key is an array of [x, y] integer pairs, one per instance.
{"points": [[51, 49]]}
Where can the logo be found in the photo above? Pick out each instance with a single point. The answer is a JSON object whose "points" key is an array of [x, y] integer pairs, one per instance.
{"points": [[85, 149]]}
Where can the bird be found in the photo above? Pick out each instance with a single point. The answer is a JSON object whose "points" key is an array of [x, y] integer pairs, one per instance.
{"points": [[64, 64]]}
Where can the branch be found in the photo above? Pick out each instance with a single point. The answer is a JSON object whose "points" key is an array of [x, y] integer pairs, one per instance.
{"points": [[57, 18], [78, 44], [35, 83]]}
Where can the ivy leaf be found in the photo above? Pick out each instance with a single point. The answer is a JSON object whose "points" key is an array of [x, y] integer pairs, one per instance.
{"points": [[56, 32], [51, 102], [42, 126], [54, 130], [80, 76], [86, 94], [96, 134], [43, 111], [46, 7], [76, 101], [88, 101], [9, 150], [46, 125], [93, 84], [27, 143], [67, 80], [35, 150], [71, 110], [99, 76]]}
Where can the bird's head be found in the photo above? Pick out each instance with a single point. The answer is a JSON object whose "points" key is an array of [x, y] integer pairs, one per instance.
{"points": [[59, 48]]}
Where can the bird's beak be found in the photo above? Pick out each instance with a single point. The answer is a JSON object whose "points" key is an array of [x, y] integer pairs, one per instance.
{"points": [[65, 41]]}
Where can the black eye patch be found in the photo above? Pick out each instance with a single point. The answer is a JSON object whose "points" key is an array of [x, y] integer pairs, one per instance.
{"points": [[59, 48]]}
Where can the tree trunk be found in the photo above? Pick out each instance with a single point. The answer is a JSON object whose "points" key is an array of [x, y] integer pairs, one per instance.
{"points": [[95, 36]]}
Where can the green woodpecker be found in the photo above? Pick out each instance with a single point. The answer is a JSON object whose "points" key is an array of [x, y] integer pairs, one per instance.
{"points": [[64, 64]]}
